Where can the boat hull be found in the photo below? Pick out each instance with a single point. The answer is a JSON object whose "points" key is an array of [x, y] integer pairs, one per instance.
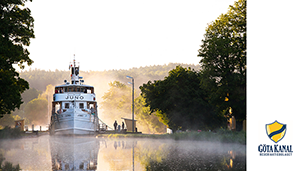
{"points": [[74, 123]]}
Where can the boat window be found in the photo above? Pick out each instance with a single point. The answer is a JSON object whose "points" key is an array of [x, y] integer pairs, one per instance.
{"points": [[66, 89], [91, 106], [89, 91], [75, 71], [81, 105], [67, 105], [78, 89], [59, 90]]}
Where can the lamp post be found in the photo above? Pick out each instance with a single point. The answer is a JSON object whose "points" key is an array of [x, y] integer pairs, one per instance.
{"points": [[132, 83]]}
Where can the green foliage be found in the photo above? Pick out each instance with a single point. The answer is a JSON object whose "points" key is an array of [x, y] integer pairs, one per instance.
{"points": [[222, 136], [180, 102], [16, 29], [39, 79], [232, 136], [27, 96], [36, 111], [30, 94], [223, 62], [151, 123], [11, 88], [117, 104], [8, 132], [7, 120]]}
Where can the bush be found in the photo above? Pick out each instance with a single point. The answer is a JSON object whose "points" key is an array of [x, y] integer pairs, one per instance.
{"points": [[223, 136], [228, 136], [8, 132]]}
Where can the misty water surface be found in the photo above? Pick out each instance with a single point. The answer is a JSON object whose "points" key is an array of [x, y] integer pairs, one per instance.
{"points": [[90, 153]]}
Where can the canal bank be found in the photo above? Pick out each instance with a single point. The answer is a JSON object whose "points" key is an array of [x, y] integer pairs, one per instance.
{"points": [[223, 136]]}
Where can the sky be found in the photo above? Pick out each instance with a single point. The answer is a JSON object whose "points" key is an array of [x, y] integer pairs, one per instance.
{"points": [[118, 34]]}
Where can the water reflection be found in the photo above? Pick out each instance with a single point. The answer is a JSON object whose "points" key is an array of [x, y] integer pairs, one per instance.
{"points": [[193, 155], [30, 153], [89, 153], [119, 155], [69, 153]]}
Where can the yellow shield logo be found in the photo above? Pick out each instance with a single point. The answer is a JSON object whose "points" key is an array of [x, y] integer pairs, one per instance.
{"points": [[276, 131]]}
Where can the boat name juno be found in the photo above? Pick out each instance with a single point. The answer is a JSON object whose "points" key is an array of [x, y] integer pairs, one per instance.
{"points": [[75, 97]]}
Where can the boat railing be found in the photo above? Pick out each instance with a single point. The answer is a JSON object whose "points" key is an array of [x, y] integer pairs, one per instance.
{"points": [[84, 110], [103, 126]]}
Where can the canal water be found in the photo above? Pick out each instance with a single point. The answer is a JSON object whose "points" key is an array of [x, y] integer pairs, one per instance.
{"points": [[89, 153]]}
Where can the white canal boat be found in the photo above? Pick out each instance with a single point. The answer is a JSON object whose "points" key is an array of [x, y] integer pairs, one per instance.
{"points": [[74, 107]]}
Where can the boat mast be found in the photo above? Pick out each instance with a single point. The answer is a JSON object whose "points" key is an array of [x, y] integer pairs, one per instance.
{"points": [[74, 72], [74, 65]]}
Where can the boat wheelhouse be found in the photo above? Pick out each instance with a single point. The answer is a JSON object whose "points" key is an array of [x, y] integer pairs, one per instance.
{"points": [[74, 107]]}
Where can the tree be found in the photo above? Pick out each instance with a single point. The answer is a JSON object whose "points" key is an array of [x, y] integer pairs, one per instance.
{"points": [[36, 111], [7, 120], [223, 62], [116, 102], [16, 29], [147, 123], [30, 94], [180, 102]]}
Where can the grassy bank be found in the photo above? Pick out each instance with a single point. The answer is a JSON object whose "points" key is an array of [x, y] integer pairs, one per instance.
{"points": [[10, 133], [7, 133], [223, 136]]}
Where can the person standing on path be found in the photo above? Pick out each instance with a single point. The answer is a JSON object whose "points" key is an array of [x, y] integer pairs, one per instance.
{"points": [[123, 125], [115, 124]]}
